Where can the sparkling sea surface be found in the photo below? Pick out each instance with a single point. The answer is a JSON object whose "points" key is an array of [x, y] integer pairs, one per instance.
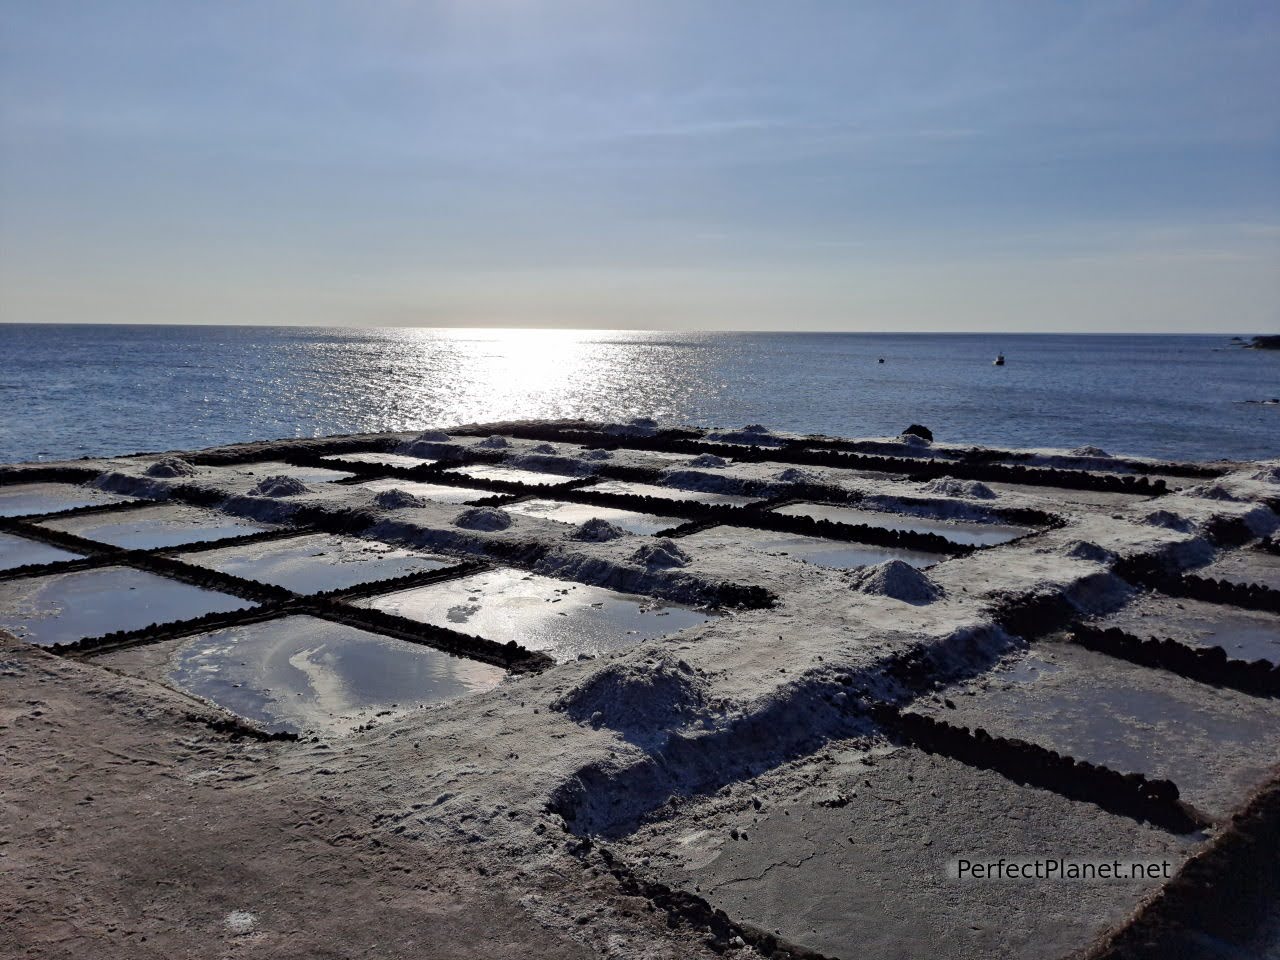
{"points": [[90, 390]]}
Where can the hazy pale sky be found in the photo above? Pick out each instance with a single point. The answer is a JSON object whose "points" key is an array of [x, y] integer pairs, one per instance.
{"points": [[955, 165]]}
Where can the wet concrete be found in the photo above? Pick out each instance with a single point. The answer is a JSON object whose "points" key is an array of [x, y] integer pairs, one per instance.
{"points": [[439, 492], [848, 854], [382, 459], [644, 524], [66, 607], [957, 531], [166, 525], [1247, 565], [1244, 634], [301, 674], [1214, 743], [533, 478], [22, 499], [826, 553], [670, 493], [19, 552], [561, 618], [318, 562]]}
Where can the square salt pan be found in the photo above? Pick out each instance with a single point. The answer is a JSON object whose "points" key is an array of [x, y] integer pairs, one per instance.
{"points": [[25, 499], [957, 531], [381, 459], [317, 562], [558, 511], [300, 673], [563, 619], [64, 607], [276, 468], [511, 475], [20, 552], [165, 525], [670, 493], [439, 492], [816, 550]]}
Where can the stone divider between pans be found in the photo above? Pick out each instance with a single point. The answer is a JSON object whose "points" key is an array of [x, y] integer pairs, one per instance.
{"points": [[1209, 665], [1129, 794]]}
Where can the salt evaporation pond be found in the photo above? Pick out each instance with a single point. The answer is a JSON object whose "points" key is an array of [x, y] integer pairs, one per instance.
{"points": [[439, 492], [533, 478], [577, 513], [20, 552], [316, 562], [64, 607], [670, 493], [1213, 742], [826, 553], [382, 459], [300, 673], [23, 499], [957, 531], [166, 525], [558, 617], [1243, 634]]}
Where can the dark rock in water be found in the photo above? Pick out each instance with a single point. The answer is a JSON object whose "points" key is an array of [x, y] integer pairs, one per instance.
{"points": [[1268, 342], [916, 430]]}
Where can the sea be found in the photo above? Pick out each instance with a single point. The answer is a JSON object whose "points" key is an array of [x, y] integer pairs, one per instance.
{"points": [[94, 390]]}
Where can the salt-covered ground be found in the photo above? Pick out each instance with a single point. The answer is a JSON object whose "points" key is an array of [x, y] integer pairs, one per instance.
{"points": [[599, 724]]}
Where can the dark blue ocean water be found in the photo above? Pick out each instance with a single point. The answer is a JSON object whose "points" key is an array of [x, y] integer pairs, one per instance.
{"points": [[68, 391]]}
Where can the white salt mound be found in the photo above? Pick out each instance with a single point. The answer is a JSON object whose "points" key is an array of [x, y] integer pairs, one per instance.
{"points": [[397, 499], [171, 467], [483, 518], [544, 448], [494, 443], [708, 460], [796, 475], [596, 455], [951, 487], [597, 530], [1212, 491], [1270, 473], [280, 486], [661, 553], [1084, 550], [1168, 520], [240, 922], [431, 436], [896, 579], [1089, 452], [639, 698]]}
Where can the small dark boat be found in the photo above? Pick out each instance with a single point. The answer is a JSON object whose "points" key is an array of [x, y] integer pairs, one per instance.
{"points": [[882, 359], [999, 360]]}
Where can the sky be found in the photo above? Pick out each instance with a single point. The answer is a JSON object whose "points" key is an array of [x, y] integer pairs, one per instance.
{"points": [[687, 164]]}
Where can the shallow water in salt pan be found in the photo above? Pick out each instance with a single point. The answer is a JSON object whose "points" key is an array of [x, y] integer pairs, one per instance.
{"points": [[309, 564], [439, 492], [512, 475], [576, 513], [382, 459], [825, 553], [65, 607], [670, 493], [1244, 634], [30, 498], [301, 673], [957, 531], [563, 619], [160, 526], [19, 552]]}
